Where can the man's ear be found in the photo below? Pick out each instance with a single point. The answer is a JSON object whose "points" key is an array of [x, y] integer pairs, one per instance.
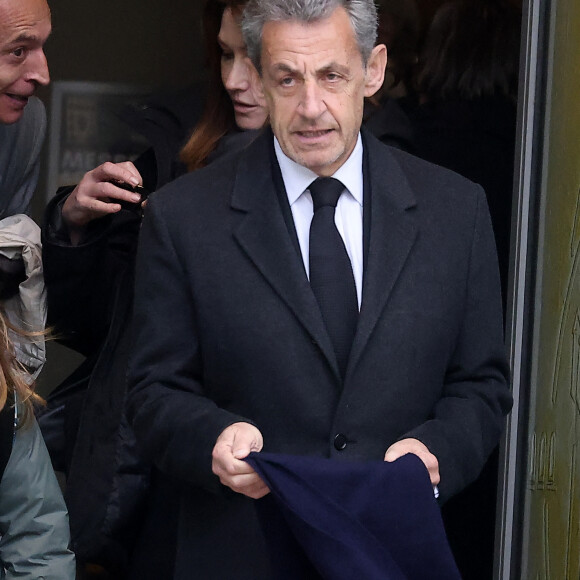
{"points": [[375, 72]]}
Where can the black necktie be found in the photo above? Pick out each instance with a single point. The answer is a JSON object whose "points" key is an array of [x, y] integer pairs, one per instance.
{"points": [[331, 276]]}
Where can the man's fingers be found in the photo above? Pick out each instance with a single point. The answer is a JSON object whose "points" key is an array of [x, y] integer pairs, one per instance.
{"points": [[125, 172], [249, 484], [97, 194], [224, 463], [400, 448], [110, 191], [238, 476], [100, 207], [241, 439], [235, 443], [242, 448]]}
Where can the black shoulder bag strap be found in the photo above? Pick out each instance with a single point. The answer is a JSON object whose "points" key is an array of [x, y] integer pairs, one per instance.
{"points": [[6, 433]]}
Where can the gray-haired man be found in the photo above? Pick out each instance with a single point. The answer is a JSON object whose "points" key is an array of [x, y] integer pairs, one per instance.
{"points": [[238, 343]]}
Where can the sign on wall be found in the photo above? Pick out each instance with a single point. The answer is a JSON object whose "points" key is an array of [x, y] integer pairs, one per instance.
{"points": [[86, 129]]}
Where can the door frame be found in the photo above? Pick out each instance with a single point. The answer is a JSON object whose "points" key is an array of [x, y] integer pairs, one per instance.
{"points": [[528, 174]]}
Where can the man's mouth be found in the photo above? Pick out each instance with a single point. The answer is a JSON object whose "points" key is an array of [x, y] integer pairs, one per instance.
{"points": [[19, 98], [313, 134]]}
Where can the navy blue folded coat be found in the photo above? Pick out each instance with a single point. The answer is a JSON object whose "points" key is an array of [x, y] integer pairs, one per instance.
{"points": [[352, 520]]}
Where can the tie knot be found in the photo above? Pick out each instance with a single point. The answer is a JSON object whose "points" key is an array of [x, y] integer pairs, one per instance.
{"points": [[325, 191]]}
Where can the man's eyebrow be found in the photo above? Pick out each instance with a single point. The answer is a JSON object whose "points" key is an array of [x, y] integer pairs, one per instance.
{"points": [[330, 67], [282, 67], [333, 67], [25, 38]]}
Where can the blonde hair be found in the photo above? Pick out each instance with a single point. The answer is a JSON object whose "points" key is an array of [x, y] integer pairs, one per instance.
{"points": [[14, 377]]}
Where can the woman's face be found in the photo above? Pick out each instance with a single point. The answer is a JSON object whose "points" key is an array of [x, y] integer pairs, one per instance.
{"points": [[239, 77]]}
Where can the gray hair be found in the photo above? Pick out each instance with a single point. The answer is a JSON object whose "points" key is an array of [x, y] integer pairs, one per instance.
{"points": [[362, 14]]}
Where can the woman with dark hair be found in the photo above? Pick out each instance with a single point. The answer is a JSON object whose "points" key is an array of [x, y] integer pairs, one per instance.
{"points": [[229, 84], [122, 511]]}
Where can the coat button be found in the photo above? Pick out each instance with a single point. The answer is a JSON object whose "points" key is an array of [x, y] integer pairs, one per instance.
{"points": [[340, 442]]}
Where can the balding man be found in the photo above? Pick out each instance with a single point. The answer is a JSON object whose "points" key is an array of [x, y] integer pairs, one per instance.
{"points": [[24, 28]]}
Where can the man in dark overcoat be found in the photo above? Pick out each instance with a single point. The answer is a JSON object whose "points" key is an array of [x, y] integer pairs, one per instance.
{"points": [[239, 344]]}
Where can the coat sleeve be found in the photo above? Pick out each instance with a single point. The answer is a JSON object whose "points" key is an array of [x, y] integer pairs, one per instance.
{"points": [[469, 418], [83, 282], [33, 516], [174, 421]]}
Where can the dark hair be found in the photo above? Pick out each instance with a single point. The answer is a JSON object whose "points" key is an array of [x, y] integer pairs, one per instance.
{"points": [[399, 26], [471, 50], [218, 116]]}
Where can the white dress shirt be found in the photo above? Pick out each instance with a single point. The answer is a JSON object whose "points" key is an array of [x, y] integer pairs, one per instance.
{"points": [[349, 210]]}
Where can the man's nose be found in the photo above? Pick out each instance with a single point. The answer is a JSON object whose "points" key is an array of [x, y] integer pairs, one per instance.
{"points": [[312, 103], [239, 77], [38, 69]]}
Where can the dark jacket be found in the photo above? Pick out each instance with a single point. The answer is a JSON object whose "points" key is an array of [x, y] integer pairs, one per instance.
{"points": [[227, 329], [90, 295]]}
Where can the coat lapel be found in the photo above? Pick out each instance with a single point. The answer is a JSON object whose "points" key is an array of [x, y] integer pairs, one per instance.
{"points": [[393, 231], [264, 237]]}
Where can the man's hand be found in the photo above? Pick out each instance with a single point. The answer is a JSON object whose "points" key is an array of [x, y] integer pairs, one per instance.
{"points": [[235, 443], [95, 195], [415, 446]]}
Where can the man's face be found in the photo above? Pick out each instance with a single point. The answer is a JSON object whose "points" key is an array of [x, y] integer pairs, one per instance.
{"points": [[24, 28], [315, 82]]}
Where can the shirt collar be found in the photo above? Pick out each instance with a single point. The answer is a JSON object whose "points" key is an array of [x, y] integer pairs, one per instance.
{"points": [[297, 178]]}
